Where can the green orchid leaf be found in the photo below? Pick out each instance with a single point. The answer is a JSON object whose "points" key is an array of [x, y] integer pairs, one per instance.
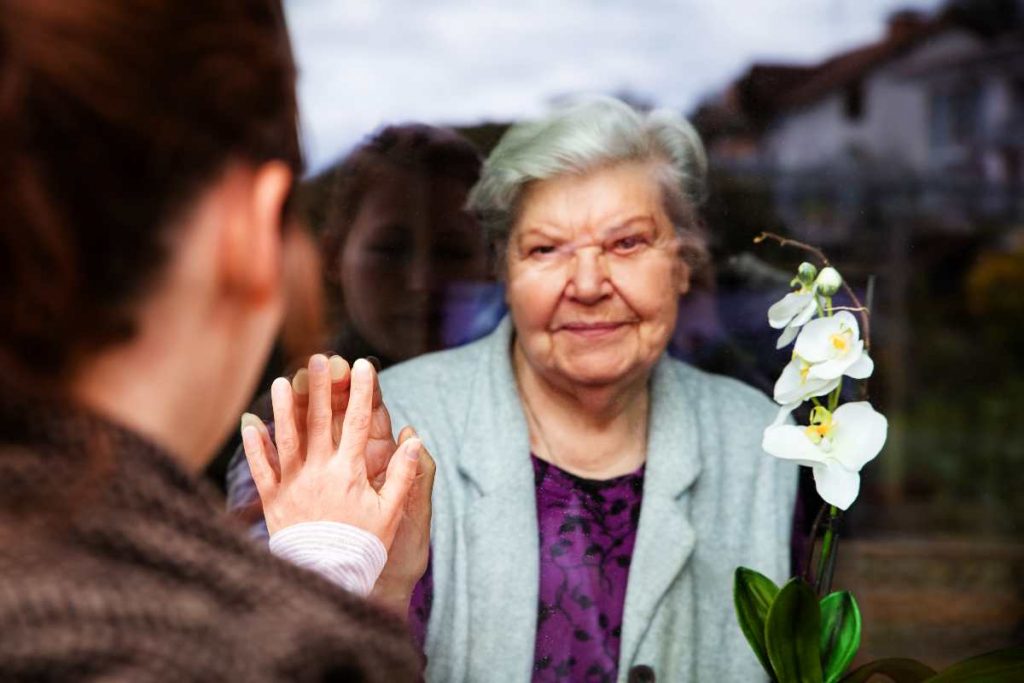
{"points": [[793, 632], [1001, 666], [752, 595], [896, 669], [840, 633]]}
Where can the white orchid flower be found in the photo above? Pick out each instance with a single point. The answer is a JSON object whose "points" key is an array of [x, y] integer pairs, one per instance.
{"points": [[835, 445], [796, 385], [791, 313], [832, 347]]}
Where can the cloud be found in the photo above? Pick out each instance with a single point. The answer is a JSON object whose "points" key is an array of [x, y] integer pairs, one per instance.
{"points": [[364, 63]]}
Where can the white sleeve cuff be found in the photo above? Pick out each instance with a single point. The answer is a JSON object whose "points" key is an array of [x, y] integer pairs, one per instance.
{"points": [[343, 554]]}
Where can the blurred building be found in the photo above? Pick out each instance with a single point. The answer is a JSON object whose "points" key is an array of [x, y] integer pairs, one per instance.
{"points": [[935, 106]]}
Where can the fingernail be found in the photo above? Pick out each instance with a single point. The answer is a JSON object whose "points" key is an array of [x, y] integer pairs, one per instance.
{"points": [[375, 362], [250, 437], [318, 362], [412, 451], [338, 367], [360, 365], [250, 420], [300, 383], [279, 387]]}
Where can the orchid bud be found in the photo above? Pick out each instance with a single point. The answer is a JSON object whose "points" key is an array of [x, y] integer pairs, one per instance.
{"points": [[829, 281], [806, 273]]}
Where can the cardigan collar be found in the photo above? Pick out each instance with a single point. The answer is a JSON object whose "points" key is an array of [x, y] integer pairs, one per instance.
{"points": [[496, 423]]}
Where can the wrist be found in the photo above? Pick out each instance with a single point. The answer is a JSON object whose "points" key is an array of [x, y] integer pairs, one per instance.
{"points": [[394, 596]]}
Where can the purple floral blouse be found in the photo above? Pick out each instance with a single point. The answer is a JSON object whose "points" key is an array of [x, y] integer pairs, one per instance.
{"points": [[587, 531]]}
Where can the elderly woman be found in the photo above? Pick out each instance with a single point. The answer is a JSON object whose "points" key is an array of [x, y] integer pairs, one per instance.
{"points": [[593, 496]]}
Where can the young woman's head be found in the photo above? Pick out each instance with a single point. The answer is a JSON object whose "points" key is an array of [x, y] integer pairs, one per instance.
{"points": [[398, 237], [147, 150]]}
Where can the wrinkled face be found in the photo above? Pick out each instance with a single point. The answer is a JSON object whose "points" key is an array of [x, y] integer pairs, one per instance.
{"points": [[410, 241], [594, 276]]}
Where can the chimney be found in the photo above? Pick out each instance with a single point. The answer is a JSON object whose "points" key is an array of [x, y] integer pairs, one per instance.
{"points": [[905, 23]]}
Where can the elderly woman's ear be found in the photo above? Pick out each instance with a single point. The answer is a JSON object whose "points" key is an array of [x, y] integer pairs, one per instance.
{"points": [[684, 277]]}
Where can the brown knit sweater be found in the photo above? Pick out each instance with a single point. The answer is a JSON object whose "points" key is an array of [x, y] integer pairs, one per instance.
{"points": [[115, 565]]}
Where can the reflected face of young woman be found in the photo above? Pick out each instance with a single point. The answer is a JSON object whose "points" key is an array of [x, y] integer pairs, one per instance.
{"points": [[594, 276], [409, 241]]}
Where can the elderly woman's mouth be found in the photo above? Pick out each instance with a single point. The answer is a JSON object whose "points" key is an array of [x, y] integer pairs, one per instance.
{"points": [[591, 330]]}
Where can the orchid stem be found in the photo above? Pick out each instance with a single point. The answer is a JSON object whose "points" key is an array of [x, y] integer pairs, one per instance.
{"points": [[864, 312], [826, 560], [833, 398], [813, 541]]}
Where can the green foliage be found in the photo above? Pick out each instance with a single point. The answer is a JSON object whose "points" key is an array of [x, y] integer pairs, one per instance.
{"points": [[753, 594], [792, 634], [840, 633], [794, 637], [799, 640]]}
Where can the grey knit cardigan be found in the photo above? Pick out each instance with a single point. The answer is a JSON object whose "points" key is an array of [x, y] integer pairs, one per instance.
{"points": [[712, 500]]}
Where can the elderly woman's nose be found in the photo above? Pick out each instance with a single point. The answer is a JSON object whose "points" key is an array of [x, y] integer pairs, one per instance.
{"points": [[588, 277]]}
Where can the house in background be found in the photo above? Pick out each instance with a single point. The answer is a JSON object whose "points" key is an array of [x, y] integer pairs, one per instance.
{"points": [[932, 113]]}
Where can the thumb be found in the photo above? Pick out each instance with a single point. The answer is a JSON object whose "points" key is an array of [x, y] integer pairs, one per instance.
{"points": [[400, 477]]}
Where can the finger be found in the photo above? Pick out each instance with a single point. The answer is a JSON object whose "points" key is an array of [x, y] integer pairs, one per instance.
{"points": [[417, 504], [341, 379], [376, 468], [269, 449], [382, 437], [318, 414], [263, 474], [378, 399], [285, 433], [402, 473], [407, 433], [300, 385], [300, 390], [355, 431], [419, 497]]}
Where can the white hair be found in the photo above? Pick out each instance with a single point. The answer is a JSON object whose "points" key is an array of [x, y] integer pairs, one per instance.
{"points": [[584, 136]]}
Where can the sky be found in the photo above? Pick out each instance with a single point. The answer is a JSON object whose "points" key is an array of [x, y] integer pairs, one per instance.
{"points": [[368, 63]]}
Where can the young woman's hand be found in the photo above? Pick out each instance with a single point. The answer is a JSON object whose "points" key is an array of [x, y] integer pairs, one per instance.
{"points": [[334, 458]]}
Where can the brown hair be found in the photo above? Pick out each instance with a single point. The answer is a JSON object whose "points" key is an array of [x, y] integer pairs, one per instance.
{"points": [[417, 147], [114, 114]]}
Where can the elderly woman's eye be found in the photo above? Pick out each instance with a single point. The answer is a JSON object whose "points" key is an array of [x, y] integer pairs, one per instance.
{"points": [[628, 244], [541, 250]]}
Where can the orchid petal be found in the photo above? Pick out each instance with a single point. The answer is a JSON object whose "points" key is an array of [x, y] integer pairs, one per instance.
{"points": [[838, 366], [801, 318], [813, 344], [862, 368], [849, 321], [788, 335], [858, 434], [782, 312], [789, 442], [792, 387], [836, 485], [815, 341]]}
